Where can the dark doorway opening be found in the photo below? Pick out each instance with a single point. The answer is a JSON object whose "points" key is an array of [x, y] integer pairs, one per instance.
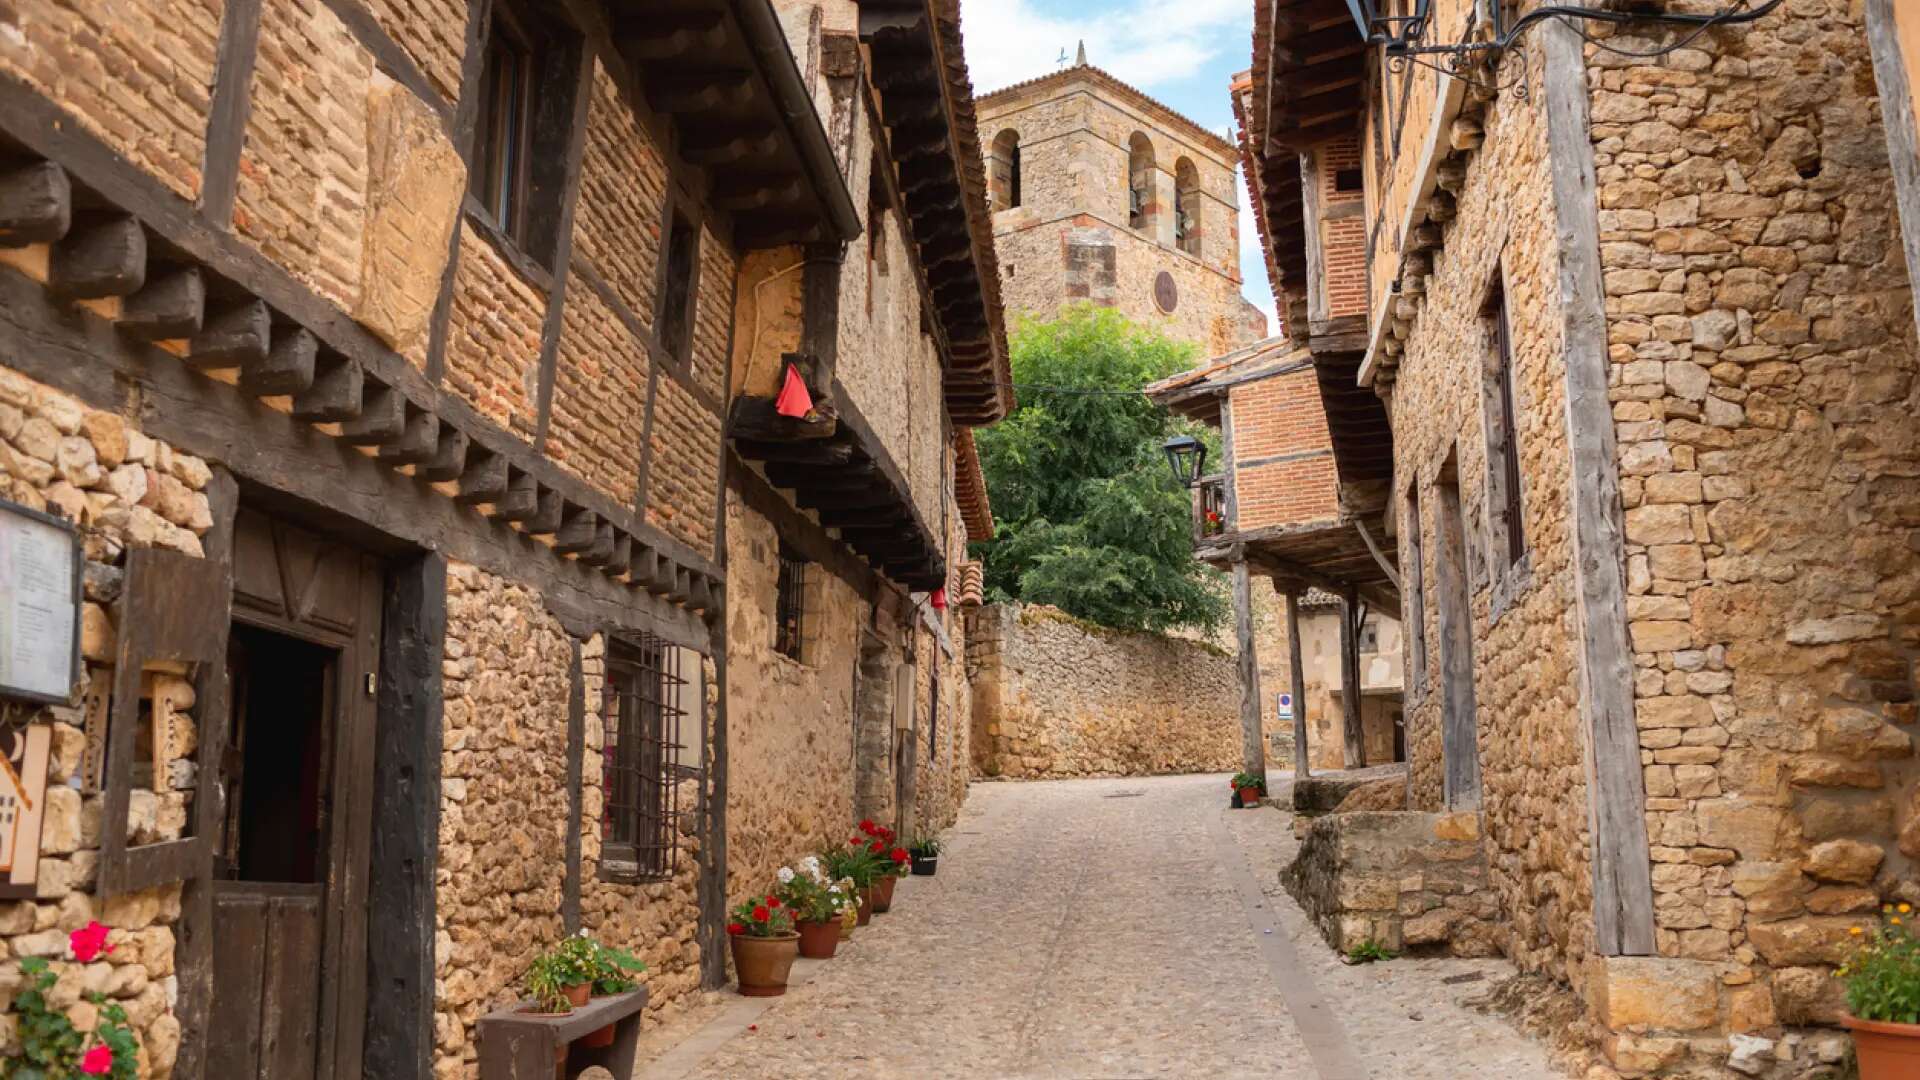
{"points": [[281, 745]]}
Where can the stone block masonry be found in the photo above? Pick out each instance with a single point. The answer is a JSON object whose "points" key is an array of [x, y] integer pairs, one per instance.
{"points": [[1404, 880], [1054, 697]]}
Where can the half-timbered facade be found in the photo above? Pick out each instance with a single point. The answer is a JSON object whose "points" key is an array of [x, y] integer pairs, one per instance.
{"points": [[399, 364]]}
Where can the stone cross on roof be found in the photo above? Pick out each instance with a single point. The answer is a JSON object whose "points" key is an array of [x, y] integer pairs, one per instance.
{"points": [[1081, 59]]}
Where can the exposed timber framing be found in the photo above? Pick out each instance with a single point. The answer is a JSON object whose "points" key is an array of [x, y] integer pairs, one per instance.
{"points": [[228, 109], [1897, 117], [1622, 867], [1253, 744], [1297, 672], [1352, 730]]}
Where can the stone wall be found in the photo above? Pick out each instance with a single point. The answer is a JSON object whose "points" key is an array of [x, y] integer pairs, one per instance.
{"points": [[1763, 385], [1403, 880], [1054, 697], [123, 490]]}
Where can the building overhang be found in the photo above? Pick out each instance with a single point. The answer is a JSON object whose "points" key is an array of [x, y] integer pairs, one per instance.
{"points": [[918, 65], [1333, 556], [722, 72]]}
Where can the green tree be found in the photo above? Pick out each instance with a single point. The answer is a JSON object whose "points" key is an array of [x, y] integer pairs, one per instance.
{"points": [[1089, 517]]}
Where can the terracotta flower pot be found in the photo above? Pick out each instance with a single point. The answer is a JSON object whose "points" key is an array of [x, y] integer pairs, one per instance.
{"points": [[818, 940], [1249, 797], [883, 894], [579, 993], [1886, 1051], [600, 1039], [866, 905], [762, 963]]}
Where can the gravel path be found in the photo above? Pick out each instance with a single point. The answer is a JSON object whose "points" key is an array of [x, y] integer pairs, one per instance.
{"points": [[1099, 929]]}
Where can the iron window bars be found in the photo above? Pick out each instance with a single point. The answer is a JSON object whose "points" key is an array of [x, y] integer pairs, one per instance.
{"points": [[641, 773]]}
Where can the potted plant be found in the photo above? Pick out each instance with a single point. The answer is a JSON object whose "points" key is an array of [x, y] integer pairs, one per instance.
{"points": [[850, 914], [553, 982], [925, 854], [817, 904], [613, 972], [1251, 787], [764, 946], [890, 863], [857, 863], [49, 1044], [1883, 997]]}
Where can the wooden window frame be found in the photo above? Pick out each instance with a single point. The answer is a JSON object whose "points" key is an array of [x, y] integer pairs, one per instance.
{"points": [[1505, 512], [1413, 575], [516, 174], [676, 314]]}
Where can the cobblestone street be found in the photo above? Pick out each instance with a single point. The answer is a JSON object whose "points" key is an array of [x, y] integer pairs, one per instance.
{"points": [[1109, 928]]}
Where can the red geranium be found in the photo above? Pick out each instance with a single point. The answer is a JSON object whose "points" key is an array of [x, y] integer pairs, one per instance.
{"points": [[736, 928], [877, 847], [98, 1061], [900, 855], [773, 901], [88, 942], [867, 826], [760, 913]]}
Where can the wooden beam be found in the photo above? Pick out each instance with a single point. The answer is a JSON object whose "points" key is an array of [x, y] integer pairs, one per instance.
{"points": [[1622, 872], [547, 516], [1253, 744], [238, 335], [1297, 674], [484, 480], [577, 533], [382, 418], [36, 204], [1351, 725], [335, 394], [418, 441], [815, 452], [228, 108], [168, 307], [449, 461], [101, 258], [520, 501]]}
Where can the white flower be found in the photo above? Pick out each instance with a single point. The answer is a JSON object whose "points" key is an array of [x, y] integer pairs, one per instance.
{"points": [[785, 875]]}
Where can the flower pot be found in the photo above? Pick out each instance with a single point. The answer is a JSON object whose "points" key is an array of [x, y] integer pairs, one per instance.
{"points": [[925, 865], [1249, 797], [883, 894], [579, 993], [1886, 1051], [598, 1040], [818, 940], [762, 963], [866, 905]]}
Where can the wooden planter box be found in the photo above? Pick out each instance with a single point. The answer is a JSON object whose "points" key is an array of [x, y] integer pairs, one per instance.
{"points": [[516, 1045]]}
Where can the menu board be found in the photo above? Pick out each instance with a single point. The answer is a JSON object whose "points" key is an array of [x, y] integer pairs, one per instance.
{"points": [[39, 605]]}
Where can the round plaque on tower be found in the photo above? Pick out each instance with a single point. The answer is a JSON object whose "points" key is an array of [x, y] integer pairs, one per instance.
{"points": [[1166, 295]]}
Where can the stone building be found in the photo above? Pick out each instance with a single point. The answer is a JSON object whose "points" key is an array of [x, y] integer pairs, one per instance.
{"points": [[402, 372], [1103, 195], [1636, 308]]}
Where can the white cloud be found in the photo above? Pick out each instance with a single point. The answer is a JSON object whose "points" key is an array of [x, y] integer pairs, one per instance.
{"points": [[1144, 42]]}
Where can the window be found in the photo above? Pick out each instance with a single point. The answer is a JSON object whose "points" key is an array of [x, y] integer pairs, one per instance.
{"points": [[677, 286], [788, 604], [1186, 207], [1347, 181], [641, 714], [1004, 170], [1413, 576], [1370, 636], [1505, 525], [522, 131], [1140, 206]]}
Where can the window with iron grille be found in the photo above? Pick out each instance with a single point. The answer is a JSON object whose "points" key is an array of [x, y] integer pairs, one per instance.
{"points": [[788, 606], [641, 716]]}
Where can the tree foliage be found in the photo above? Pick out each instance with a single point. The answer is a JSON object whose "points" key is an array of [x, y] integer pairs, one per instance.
{"points": [[1089, 518]]}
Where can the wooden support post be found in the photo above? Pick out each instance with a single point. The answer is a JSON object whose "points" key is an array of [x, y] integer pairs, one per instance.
{"points": [[1253, 750], [1298, 676], [1350, 723]]}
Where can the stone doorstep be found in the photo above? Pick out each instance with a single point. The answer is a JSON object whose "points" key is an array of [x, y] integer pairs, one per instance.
{"points": [[733, 1021]]}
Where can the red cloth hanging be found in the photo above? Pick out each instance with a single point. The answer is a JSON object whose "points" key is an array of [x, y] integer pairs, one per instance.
{"points": [[794, 399], [940, 598]]}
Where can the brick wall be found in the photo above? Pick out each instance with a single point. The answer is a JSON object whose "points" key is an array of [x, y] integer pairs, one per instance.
{"points": [[493, 336], [303, 169], [599, 407], [623, 184], [433, 33], [713, 315], [1283, 456], [684, 483], [1343, 233], [136, 74]]}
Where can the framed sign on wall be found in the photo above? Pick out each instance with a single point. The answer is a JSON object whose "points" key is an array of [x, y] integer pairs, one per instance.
{"points": [[39, 605], [23, 798]]}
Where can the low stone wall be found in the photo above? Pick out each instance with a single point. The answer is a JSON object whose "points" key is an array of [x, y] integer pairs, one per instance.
{"points": [[1406, 880], [1055, 697]]}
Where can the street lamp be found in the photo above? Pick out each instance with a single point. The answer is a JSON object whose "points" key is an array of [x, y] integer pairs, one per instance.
{"points": [[1185, 456]]}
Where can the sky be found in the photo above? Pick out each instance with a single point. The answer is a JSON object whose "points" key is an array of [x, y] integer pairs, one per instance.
{"points": [[1182, 52]]}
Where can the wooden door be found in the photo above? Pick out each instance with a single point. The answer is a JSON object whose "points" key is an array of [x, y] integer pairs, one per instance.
{"points": [[291, 866]]}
